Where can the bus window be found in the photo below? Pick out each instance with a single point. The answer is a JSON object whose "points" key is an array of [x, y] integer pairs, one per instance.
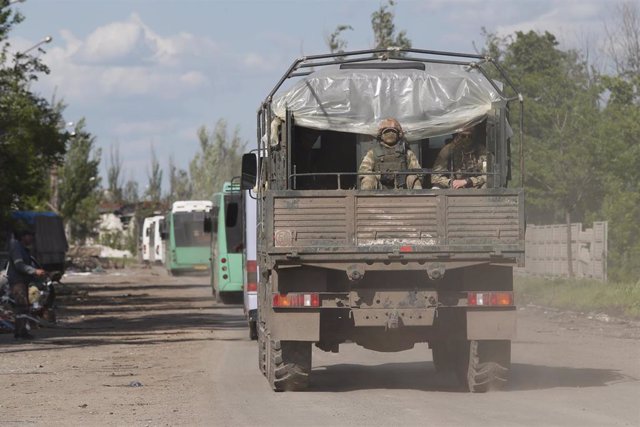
{"points": [[188, 229], [234, 225]]}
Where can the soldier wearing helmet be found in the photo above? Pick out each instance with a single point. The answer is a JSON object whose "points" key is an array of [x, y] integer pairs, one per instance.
{"points": [[389, 156], [461, 163]]}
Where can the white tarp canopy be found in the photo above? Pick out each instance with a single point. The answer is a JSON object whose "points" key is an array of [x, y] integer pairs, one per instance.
{"points": [[441, 99]]}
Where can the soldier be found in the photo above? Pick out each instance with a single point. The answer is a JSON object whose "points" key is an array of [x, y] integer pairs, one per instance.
{"points": [[466, 163], [390, 155], [20, 273]]}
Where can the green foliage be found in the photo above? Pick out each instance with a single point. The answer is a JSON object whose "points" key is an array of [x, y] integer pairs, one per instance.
{"points": [[581, 141], [131, 193], [219, 160], [154, 186], [114, 175], [179, 183], [114, 239], [335, 42], [79, 185], [614, 298], [30, 137], [384, 30]]}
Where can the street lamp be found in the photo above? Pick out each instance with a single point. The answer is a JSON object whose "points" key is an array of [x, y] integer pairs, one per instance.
{"points": [[45, 40]]}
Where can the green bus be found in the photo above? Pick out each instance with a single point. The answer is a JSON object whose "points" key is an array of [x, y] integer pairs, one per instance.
{"points": [[188, 248], [227, 219]]}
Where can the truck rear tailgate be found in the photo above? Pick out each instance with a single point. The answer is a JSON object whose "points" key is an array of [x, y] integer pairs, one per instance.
{"points": [[423, 221]]}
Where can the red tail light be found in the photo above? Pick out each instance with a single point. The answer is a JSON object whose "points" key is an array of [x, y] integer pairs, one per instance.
{"points": [[223, 260], [489, 299], [296, 300], [252, 269]]}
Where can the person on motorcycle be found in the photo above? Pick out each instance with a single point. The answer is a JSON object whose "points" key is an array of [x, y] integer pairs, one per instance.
{"points": [[20, 273]]}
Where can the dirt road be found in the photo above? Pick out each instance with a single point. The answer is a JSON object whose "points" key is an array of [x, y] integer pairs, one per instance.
{"points": [[140, 348]]}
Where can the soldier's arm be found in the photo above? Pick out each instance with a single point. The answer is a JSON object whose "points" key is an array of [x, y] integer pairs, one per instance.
{"points": [[412, 160], [18, 263], [441, 179], [480, 180], [367, 163], [413, 181]]}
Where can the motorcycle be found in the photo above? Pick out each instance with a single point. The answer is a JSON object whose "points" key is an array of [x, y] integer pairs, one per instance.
{"points": [[42, 296]]}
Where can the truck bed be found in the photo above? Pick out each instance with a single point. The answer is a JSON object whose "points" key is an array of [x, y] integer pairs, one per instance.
{"points": [[489, 222]]}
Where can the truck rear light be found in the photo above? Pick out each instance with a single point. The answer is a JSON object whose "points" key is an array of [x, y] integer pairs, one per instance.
{"points": [[252, 287], [252, 267], [489, 299], [295, 300], [223, 260]]}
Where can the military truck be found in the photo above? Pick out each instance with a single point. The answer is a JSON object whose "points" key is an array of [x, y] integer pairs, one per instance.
{"points": [[385, 269]]}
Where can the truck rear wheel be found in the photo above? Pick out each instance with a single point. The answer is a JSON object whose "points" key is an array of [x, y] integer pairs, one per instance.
{"points": [[442, 356], [483, 365], [253, 330], [289, 365], [262, 352]]}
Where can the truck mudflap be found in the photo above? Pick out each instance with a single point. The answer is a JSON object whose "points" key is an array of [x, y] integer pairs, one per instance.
{"points": [[295, 326], [491, 324]]}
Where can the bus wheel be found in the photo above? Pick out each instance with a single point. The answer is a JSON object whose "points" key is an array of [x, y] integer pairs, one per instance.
{"points": [[483, 365], [289, 365]]}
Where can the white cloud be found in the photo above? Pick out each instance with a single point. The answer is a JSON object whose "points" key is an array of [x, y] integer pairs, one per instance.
{"points": [[128, 59], [124, 41]]}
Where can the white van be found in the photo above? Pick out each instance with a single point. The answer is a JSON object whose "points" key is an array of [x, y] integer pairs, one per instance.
{"points": [[147, 237], [158, 246]]}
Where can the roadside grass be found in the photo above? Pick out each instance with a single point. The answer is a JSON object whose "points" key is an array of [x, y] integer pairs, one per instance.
{"points": [[613, 298]]}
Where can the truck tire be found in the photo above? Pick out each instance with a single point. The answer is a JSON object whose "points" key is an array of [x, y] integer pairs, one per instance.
{"points": [[262, 352], [483, 365], [442, 356], [253, 330], [289, 365]]}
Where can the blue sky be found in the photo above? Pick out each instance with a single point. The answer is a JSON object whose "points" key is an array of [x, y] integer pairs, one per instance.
{"points": [[151, 72]]}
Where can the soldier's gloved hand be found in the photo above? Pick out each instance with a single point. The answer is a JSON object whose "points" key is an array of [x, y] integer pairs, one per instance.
{"points": [[387, 179], [459, 183]]}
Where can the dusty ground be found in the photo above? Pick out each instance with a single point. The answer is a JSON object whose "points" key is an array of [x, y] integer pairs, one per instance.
{"points": [[193, 364]]}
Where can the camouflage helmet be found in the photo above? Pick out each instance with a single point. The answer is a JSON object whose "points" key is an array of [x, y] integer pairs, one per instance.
{"points": [[387, 124]]}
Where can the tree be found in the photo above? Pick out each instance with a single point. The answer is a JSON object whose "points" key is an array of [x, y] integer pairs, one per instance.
{"points": [[623, 39], [179, 184], [31, 139], [114, 175], [219, 160], [131, 193], [335, 42], [154, 187], [621, 129], [563, 179], [384, 30], [79, 193]]}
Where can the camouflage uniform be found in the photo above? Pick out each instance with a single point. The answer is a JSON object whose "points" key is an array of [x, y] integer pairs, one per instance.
{"points": [[461, 155], [390, 155]]}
